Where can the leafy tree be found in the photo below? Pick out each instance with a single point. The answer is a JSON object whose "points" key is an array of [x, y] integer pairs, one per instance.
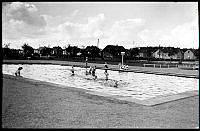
{"points": [[6, 45], [28, 50], [6, 50], [73, 50], [15, 54], [114, 50], [92, 51], [57, 51], [134, 52], [45, 51]]}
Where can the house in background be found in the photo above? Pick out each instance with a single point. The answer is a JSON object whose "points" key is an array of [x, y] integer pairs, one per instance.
{"points": [[57, 51], [92, 52], [64, 52], [146, 52], [111, 51], [45, 51], [191, 54], [157, 53], [168, 53], [37, 51], [132, 52], [20, 51], [164, 54], [142, 53]]}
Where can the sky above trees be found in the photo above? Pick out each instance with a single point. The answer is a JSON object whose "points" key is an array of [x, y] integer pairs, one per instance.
{"points": [[129, 24]]}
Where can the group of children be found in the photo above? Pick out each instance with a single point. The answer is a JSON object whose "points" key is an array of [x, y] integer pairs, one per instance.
{"points": [[92, 71], [122, 67]]}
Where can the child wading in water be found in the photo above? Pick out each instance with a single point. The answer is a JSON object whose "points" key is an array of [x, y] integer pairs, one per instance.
{"points": [[86, 71], [72, 70], [106, 74], [17, 73], [93, 72], [90, 71], [106, 71]]}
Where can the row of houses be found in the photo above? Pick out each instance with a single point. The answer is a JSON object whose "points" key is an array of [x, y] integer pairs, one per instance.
{"points": [[112, 51], [152, 52], [168, 53]]}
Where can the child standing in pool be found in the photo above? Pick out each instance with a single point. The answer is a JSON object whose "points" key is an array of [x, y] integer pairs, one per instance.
{"points": [[17, 73], [72, 70], [106, 71], [90, 70], [106, 74], [106, 65], [93, 72], [86, 72]]}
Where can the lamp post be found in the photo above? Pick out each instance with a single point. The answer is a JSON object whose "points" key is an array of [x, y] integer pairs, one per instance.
{"points": [[86, 61], [122, 53]]}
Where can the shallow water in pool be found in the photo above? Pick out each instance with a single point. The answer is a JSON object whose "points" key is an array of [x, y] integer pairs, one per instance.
{"points": [[129, 84]]}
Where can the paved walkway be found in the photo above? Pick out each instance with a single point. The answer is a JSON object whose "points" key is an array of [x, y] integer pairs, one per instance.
{"points": [[150, 70], [32, 104]]}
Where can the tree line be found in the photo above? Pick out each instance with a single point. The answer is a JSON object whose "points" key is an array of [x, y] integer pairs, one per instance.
{"points": [[92, 52]]}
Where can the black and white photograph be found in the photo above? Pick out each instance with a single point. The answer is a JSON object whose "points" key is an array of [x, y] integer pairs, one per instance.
{"points": [[107, 65]]}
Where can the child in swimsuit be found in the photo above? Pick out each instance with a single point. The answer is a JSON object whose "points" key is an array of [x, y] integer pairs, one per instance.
{"points": [[106, 73], [72, 70], [17, 73], [93, 72]]}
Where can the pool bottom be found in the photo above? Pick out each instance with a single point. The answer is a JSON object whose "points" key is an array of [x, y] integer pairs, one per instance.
{"points": [[147, 102]]}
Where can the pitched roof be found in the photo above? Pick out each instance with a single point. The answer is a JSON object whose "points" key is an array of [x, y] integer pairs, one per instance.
{"points": [[114, 47], [195, 51], [184, 50]]}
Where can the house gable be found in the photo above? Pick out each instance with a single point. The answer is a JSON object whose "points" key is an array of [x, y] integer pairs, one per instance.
{"points": [[189, 54]]}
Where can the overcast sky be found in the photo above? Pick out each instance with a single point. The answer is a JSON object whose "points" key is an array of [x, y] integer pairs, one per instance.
{"points": [[130, 24]]}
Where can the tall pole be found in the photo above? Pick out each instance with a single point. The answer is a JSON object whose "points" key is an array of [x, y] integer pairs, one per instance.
{"points": [[86, 61], [122, 53], [122, 60], [98, 43]]}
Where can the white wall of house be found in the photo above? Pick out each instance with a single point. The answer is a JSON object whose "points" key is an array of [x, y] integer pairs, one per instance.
{"points": [[189, 55], [141, 54], [156, 54], [160, 54], [64, 52], [165, 56], [36, 51]]}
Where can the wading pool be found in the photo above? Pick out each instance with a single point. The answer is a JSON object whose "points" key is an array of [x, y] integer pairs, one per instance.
{"points": [[129, 84]]}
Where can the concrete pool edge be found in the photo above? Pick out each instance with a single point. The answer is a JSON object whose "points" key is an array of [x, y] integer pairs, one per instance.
{"points": [[147, 102], [152, 101]]}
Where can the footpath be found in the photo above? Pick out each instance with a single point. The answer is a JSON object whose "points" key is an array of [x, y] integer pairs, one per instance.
{"points": [[148, 70]]}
